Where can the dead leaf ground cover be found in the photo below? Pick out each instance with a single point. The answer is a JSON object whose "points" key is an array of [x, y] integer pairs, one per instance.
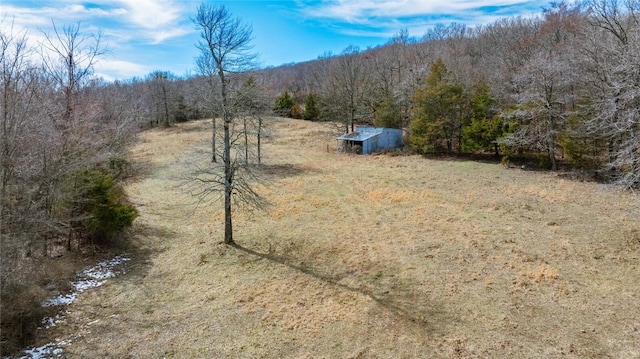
{"points": [[368, 257]]}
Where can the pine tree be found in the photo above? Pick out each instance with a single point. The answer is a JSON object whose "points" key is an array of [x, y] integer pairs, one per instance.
{"points": [[483, 127], [439, 103], [387, 114], [311, 111], [283, 104]]}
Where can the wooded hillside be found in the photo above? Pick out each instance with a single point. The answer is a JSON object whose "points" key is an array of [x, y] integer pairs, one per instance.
{"points": [[558, 89], [564, 85]]}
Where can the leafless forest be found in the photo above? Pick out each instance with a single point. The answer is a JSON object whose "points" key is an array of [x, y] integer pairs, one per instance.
{"points": [[560, 91]]}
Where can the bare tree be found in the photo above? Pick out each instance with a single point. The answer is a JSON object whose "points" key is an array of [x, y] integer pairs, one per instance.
{"points": [[252, 104], [162, 94], [81, 136], [207, 67], [17, 98], [55, 120], [543, 85], [68, 57], [345, 89], [413, 67], [612, 65], [616, 17], [13, 64], [225, 49]]}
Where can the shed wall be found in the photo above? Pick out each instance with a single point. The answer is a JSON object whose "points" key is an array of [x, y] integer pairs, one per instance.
{"points": [[375, 138], [390, 138], [369, 145]]}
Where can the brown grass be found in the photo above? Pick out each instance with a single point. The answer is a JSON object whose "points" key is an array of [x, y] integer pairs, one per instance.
{"points": [[369, 257]]}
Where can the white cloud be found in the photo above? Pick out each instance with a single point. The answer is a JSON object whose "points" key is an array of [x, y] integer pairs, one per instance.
{"points": [[152, 14], [127, 26], [383, 18], [29, 17], [158, 36], [117, 69], [361, 11], [153, 20], [156, 20]]}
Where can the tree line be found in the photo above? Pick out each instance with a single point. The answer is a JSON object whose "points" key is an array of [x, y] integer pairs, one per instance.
{"points": [[558, 88], [63, 142], [64, 139]]}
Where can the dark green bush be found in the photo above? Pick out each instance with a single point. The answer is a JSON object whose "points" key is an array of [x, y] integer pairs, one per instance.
{"points": [[100, 205], [387, 114], [311, 111], [283, 104], [180, 114]]}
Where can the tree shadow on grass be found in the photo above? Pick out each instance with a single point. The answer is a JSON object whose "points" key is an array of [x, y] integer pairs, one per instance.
{"points": [[142, 246], [402, 300]]}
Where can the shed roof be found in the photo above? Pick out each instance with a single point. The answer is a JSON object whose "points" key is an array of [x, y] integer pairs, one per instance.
{"points": [[362, 134]]}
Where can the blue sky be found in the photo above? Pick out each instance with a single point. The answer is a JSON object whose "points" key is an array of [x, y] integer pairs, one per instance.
{"points": [[148, 35]]}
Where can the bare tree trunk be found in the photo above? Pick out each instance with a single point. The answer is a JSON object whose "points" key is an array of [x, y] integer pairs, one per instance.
{"points": [[246, 140], [213, 139], [226, 157], [352, 119], [259, 137], [166, 105], [6, 169], [228, 182], [551, 142], [552, 155]]}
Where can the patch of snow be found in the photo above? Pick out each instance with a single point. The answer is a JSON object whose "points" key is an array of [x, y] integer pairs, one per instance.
{"points": [[62, 299], [49, 350], [87, 278], [90, 278], [50, 322]]}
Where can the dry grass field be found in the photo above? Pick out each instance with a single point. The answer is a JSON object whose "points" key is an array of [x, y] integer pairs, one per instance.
{"points": [[367, 257]]}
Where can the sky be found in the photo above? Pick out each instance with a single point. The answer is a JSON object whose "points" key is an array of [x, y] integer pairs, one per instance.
{"points": [[143, 36]]}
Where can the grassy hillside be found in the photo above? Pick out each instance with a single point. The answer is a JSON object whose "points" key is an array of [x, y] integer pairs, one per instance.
{"points": [[368, 257]]}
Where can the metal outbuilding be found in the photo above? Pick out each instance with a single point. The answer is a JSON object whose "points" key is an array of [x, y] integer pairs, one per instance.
{"points": [[368, 139]]}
